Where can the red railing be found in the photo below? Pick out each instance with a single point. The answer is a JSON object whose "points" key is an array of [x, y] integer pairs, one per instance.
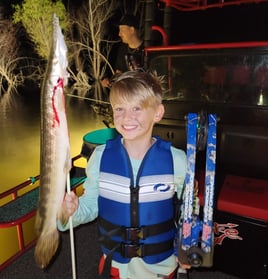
{"points": [[195, 5], [20, 220], [206, 46]]}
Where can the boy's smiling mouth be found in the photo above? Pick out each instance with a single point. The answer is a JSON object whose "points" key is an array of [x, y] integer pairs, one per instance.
{"points": [[129, 127]]}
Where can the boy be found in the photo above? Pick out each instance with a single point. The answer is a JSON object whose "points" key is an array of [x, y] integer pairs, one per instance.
{"points": [[130, 186]]}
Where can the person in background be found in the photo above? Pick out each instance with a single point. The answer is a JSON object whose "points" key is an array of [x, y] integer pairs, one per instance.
{"points": [[130, 53], [131, 184], [131, 50]]}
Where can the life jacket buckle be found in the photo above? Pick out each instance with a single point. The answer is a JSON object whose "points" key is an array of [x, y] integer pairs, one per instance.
{"points": [[132, 234], [131, 250]]}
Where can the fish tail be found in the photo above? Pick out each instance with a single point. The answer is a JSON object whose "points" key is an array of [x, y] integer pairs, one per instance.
{"points": [[46, 247]]}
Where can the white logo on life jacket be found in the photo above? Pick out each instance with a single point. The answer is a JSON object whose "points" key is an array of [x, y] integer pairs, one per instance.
{"points": [[161, 187]]}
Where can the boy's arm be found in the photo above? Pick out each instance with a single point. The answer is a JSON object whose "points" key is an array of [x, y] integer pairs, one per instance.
{"points": [[88, 203], [179, 161]]}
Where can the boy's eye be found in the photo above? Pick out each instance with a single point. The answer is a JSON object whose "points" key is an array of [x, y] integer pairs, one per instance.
{"points": [[118, 109], [137, 108]]}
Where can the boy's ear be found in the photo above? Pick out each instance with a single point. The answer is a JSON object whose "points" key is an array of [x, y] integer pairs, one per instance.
{"points": [[159, 113]]}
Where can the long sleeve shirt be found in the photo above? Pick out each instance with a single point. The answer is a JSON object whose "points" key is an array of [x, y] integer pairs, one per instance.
{"points": [[88, 211]]}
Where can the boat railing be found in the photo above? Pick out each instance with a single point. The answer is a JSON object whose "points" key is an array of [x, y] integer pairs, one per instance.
{"points": [[19, 204]]}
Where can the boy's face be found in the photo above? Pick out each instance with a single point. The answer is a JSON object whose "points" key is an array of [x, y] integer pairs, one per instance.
{"points": [[135, 122]]}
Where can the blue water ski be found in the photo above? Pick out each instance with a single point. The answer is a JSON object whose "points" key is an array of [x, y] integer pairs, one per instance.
{"points": [[196, 245]]}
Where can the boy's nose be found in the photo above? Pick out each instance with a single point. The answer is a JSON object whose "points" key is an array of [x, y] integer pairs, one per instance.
{"points": [[128, 114]]}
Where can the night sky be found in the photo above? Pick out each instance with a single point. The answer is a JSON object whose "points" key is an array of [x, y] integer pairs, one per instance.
{"points": [[244, 22], [247, 22]]}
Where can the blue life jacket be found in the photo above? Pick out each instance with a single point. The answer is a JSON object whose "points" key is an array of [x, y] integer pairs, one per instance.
{"points": [[136, 219]]}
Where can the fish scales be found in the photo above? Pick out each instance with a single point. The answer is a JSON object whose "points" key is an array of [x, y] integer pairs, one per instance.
{"points": [[55, 159]]}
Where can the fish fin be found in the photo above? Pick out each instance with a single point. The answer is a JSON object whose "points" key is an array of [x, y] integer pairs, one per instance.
{"points": [[68, 162], [39, 222], [46, 247], [63, 217]]}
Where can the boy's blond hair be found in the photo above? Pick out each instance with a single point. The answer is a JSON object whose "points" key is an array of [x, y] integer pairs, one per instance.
{"points": [[143, 88]]}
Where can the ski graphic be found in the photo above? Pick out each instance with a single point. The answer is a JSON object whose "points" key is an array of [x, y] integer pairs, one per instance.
{"points": [[189, 181]]}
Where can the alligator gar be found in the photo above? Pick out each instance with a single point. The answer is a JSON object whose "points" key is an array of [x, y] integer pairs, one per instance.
{"points": [[55, 158]]}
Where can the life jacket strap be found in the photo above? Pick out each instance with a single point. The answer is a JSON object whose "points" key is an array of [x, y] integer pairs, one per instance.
{"points": [[135, 233], [131, 250]]}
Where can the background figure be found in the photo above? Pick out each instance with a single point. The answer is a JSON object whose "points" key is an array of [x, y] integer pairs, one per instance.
{"points": [[130, 52]]}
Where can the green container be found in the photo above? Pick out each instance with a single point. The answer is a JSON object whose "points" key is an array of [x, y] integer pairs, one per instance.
{"points": [[97, 137]]}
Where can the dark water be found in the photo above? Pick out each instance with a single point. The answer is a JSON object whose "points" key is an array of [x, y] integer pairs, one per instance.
{"points": [[20, 136]]}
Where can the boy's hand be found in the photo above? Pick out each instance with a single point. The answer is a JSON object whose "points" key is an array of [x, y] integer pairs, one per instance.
{"points": [[70, 203], [184, 266], [69, 206]]}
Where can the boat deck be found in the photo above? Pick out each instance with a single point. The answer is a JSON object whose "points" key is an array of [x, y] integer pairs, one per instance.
{"points": [[87, 257]]}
